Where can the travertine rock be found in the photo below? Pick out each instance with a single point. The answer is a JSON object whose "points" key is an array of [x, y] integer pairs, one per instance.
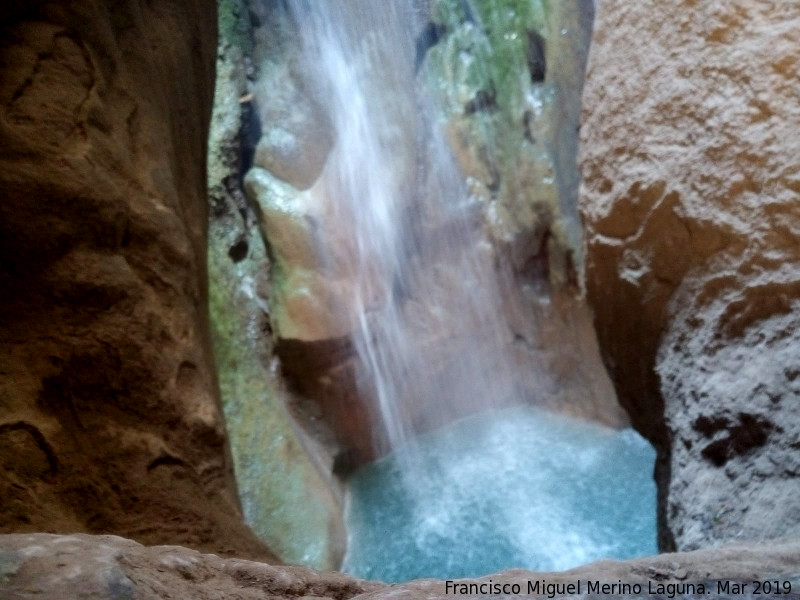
{"points": [[109, 409], [287, 494], [691, 204], [52, 567], [507, 81]]}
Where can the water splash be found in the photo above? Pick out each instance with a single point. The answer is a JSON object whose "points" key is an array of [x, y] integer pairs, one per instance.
{"points": [[521, 488]]}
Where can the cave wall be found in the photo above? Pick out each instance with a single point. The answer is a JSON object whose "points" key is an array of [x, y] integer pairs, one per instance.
{"points": [[285, 482], [110, 416], [690, 200], [505, 79]]}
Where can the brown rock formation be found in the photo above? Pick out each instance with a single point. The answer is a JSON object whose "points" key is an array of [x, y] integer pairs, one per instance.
{"points": [[107, 567], [110, 419], [690, 201]]}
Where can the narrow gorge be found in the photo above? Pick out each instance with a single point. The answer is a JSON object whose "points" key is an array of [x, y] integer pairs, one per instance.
{"points": [[413, 290]]}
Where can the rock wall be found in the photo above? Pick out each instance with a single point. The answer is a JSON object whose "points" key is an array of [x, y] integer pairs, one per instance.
{"points": [[690, 200], [110, 416], [287, 498], [507, 78]]}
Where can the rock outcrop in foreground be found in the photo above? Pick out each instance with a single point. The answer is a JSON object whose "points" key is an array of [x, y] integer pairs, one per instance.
{"points": [[51, 567], [109, 407], [691, 201]]}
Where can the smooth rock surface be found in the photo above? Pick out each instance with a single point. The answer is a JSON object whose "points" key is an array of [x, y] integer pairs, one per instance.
{"points": [[50, 567], [109, 406], [691, 201]]}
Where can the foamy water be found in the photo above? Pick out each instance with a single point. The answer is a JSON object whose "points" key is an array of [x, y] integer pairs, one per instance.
{"points": [[518, 488]]}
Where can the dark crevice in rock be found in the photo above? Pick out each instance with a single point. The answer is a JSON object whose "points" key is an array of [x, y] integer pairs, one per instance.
{"points": [[537, 63], [427, 39], [238, 252], [495, 181], [538, 266], [38, 438], [56, 397], [300, 359], [484, 101], [249, 135], [751, 433], [708, 426], [527, 126], [346, 462]]}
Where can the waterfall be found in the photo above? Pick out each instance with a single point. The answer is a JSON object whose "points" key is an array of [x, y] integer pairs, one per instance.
{"points": [[425, 305], [414, 278]]}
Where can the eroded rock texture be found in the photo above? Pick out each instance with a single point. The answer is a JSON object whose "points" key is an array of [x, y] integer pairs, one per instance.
{"points": [[109, 416], [52, 567], [693, 267], [113, 568]]}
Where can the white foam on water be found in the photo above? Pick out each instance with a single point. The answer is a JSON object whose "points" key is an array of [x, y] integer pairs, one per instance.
{"points": [[517, 488]]}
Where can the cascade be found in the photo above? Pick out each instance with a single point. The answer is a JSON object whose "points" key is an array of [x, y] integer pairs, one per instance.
{"points": [[468, 485], [402, 231]]}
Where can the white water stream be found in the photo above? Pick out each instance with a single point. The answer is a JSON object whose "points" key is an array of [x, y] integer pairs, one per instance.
{"points": [[502, 489]]}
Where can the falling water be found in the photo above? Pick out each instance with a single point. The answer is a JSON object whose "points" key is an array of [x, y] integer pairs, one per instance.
{"points": [[425, 303], [404, 241]]}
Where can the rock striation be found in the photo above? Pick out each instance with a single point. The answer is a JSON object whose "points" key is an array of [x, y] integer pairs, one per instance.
{"points": [[109, 406], [53, 567], [690, 201]]}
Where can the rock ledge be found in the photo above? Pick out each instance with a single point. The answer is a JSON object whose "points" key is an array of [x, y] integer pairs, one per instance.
{"points": [[108, 567]]}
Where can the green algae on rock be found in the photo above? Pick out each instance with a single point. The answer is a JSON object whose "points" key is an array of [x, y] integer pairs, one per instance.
{"points": [[507, 77]]}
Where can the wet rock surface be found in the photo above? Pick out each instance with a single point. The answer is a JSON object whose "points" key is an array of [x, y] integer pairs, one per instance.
{"points": [[506, 79], [52, 567], [110, 418], [284, 480], [690, 201]]}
